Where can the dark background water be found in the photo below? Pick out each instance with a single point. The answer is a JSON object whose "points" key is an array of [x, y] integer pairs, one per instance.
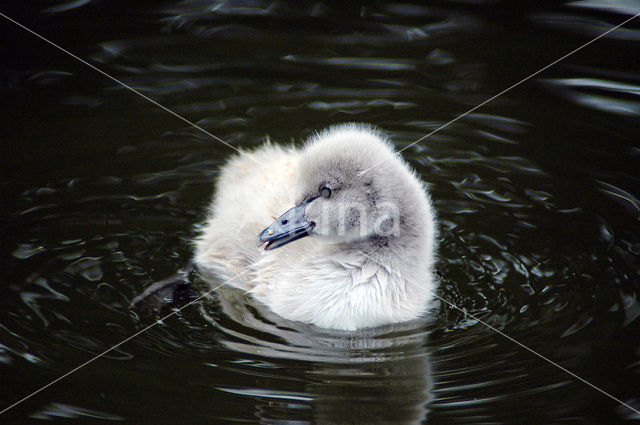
{"points": [[537, 194]]}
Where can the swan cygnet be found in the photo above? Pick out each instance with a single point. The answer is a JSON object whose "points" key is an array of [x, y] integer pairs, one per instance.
{"points": [[368, 258]]}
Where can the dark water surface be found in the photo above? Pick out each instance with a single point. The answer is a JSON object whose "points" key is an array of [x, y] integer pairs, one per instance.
{"points": [[537, 194]]}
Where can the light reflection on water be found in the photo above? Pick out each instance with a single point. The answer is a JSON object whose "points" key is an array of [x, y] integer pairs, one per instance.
{"points": [[535, 194]]}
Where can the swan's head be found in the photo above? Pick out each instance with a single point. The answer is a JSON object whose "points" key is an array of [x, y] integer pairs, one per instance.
{"points": [[349, 186]]}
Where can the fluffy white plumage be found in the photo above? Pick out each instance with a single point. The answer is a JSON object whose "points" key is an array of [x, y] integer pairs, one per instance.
{"points": [[369, 258]]}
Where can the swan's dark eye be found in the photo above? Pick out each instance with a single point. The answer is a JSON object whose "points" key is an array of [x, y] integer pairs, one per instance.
{"points": [[325, 192]]}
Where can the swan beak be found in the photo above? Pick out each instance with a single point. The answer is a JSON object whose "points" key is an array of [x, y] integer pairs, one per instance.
{"points": [[289, 227]]}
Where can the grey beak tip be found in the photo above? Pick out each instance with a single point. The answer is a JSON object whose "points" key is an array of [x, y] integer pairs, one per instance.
{"points": [[290, 226]]}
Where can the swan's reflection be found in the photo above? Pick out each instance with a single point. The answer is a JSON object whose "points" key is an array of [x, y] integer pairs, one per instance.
{"points": [[304, 374], [374, 376]]}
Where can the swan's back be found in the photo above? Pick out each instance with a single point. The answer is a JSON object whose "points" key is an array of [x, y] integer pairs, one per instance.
{"points": [[253, 188]]}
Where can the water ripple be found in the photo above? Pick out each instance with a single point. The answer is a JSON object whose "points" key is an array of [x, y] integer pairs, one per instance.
{"points": [[375, 64], [585, 26], [59, 410], [604, 95]]}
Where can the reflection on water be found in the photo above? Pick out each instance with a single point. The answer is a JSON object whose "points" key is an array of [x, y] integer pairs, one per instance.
{"points": [[536, 193], [379, 375]]}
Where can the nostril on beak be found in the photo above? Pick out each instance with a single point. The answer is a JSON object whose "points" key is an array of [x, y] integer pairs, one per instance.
{"points": [[285, 221]]}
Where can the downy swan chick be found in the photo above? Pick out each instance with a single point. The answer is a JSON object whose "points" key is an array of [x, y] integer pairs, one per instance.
{"points": [[355, 247]]}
